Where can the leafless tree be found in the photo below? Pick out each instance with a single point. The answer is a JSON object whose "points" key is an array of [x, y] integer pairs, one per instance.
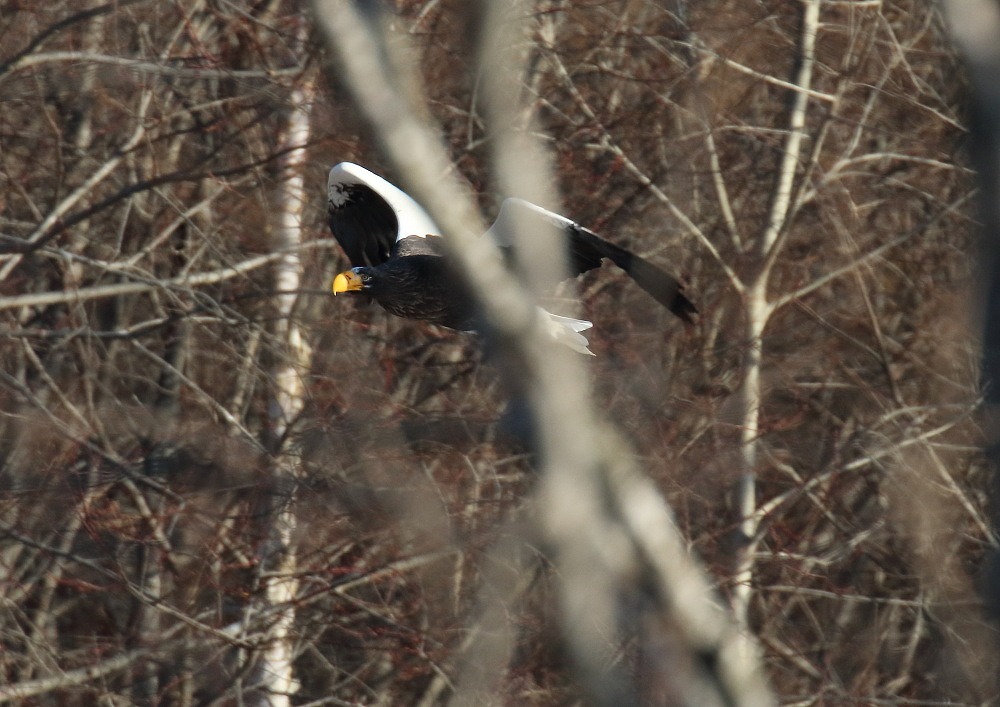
{"points": [[219, 485]]}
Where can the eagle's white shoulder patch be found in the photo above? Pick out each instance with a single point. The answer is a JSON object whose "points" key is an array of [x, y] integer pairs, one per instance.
{"points": [[337, 195]]}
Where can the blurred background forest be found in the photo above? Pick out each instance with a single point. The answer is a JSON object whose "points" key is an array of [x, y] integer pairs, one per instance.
{"points": [[186, 432]]}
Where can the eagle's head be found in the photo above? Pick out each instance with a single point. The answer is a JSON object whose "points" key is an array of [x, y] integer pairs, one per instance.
{"points": [[360, 279]]}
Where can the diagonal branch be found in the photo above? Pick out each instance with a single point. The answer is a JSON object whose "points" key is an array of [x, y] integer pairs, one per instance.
{"points": [[606, 527]]}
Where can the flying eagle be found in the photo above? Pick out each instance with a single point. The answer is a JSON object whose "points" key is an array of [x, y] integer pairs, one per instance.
{"points": [[398, 260]]}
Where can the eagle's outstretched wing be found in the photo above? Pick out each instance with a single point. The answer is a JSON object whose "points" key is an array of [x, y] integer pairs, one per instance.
{"points": [[587, 250], [367, 214]]}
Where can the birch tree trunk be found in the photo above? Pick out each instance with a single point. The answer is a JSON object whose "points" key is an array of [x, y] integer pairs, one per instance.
{"points": [[274, 681], [758, 311]]}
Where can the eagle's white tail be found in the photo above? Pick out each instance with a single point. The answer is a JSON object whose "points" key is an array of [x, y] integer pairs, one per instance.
{"points": [[566, 331]]}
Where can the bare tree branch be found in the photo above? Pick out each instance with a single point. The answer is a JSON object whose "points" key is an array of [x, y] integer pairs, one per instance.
{"points": [[606, 526], [181, 282]]}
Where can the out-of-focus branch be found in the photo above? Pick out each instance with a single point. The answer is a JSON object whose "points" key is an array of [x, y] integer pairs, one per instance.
{"points": [[975, 28], [606, 500], [622, 565]]}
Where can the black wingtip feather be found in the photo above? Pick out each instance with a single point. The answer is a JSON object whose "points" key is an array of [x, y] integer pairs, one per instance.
{"points": [[364, 225], [661, 286], [685, 309], [587, 248]]}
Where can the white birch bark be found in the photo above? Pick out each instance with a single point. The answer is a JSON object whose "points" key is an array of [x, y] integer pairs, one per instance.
{"points": [[275, 679], [758, 310]]}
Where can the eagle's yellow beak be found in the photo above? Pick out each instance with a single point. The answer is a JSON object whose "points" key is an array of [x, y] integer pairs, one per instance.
{"points": [[347, 281]]}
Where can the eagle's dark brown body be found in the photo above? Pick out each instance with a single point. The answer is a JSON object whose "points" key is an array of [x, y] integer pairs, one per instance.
{"points": [[416, 282]]}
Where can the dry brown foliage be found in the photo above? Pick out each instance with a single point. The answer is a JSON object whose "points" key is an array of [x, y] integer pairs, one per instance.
{"points": [[139, 177]]}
